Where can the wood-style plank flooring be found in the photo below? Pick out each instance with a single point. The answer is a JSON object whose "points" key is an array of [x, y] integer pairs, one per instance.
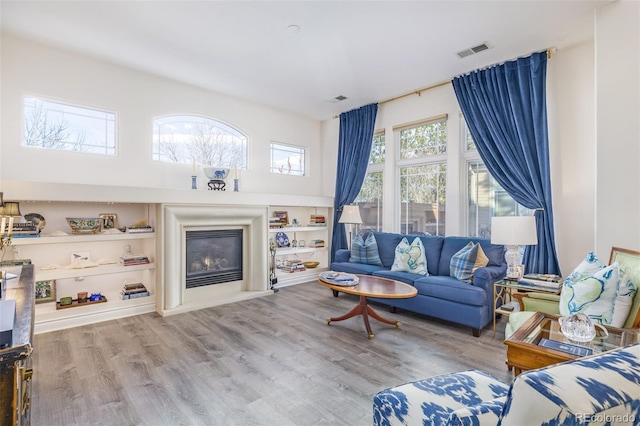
{"points": [[265, 361]]}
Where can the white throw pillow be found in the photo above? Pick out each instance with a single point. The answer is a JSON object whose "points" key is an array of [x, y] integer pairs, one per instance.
{"points": [[626, 292], [410, 257], [588, 266]]}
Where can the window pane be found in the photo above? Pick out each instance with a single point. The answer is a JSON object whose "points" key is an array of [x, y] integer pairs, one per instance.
{"points": [[186, 138], [64, 127], [287, 159], [486, 199], [370, 202], [424, 140], [377, 149], [423, 199]]}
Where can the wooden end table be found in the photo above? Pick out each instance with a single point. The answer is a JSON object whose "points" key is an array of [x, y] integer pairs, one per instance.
{"points": [[369, 286], [525, 353]]}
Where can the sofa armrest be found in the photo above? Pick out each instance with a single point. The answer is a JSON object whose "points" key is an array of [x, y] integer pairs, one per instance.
{"points": [[485, 278], [343, 255], [484, 413]]}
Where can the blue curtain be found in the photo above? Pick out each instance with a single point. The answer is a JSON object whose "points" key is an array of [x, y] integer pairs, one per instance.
{"points": [[506, 112], [356, 137]]}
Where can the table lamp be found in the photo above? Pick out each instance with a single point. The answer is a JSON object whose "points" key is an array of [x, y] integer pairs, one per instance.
{"points": [[350, 215], [513, 231]]}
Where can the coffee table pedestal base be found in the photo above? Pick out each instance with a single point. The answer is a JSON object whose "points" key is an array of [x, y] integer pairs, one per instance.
{"points": [[365, 310]]}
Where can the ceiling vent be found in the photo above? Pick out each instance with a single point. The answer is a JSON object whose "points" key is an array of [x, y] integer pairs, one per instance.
{"points": [[337, 99], [472, 50]]}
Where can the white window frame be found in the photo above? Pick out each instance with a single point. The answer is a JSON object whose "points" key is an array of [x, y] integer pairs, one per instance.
{"points": [[108, 150], [409, 162], [232, 131], [273, 167]]}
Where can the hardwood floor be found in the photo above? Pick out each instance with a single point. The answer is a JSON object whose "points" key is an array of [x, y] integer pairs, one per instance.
{"points": [[266, 361]]}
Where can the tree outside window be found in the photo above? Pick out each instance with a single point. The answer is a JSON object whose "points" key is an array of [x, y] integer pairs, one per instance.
{"points": [[189, 139], [370, 198]]}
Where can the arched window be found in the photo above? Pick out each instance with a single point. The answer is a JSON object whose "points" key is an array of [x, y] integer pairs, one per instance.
{"points": [[192, 138]]}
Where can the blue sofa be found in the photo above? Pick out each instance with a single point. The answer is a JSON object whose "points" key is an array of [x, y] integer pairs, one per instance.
{"points": [[439, 294]]}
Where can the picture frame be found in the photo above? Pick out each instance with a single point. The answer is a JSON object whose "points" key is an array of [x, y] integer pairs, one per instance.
{"points": [[45, 291], [283, 216], [109, 220]]}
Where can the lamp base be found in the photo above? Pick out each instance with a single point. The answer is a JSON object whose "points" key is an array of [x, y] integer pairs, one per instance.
{"points": [[514, 269]]}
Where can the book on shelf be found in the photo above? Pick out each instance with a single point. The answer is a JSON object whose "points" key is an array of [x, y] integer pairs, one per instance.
{"points": [[139, 229], [540, 284], [316, 243], [134, 260], [134, 295], [543, 277]]}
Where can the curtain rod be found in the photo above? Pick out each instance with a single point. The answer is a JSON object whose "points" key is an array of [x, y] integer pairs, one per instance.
{"points": [[415, 92], [550, 52]]}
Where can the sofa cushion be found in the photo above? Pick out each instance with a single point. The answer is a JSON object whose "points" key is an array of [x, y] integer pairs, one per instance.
{"points": [[405, 277], [354, 268], [410, 257], [452, 245], [465, 262], [449, 288], [387, 243], [365, 251], [594, 295]]}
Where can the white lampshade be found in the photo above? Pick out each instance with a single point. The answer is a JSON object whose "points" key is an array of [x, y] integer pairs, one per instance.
{"points": [[350, 214], [514, 230]]}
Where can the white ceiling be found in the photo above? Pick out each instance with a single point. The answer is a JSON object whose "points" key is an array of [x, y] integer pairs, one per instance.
{"points": [[367, 51]]}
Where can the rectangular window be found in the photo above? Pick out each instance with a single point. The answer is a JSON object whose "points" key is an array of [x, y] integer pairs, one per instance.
{"points": [[287, 159], [486, 199], [423, 199], [65, 127], [370, 202], [424, 140], [377, 149]]}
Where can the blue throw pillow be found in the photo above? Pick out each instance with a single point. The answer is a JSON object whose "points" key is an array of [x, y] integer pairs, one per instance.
{"points": [[410, 257], [465, 262], [365, 251]]}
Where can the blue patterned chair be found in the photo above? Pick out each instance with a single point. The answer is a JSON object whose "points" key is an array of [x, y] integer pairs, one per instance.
{"points": [[597, 390]]}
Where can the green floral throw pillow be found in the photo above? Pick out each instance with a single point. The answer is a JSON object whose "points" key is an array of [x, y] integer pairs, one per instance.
{"points": [[410, 257], [594, 295]]}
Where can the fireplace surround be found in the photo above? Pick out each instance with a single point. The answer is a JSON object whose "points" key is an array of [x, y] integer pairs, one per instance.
{"points": [[178, 219]]}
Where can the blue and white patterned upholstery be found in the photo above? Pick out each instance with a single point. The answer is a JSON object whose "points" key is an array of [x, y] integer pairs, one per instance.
{"points": [[602, 389], [434, 400]]}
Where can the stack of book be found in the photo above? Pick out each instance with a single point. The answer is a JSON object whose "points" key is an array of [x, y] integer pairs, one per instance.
{"points": [[139, 229], [134, 259], [292, 266], [275, 222], [316, 243], [317, 220], [548, 281], [133, 291], [24, 230]]}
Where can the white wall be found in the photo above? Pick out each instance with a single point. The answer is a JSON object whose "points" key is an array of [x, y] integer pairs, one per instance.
{"points": [[571, 112], [617, 68], [31, 68]]}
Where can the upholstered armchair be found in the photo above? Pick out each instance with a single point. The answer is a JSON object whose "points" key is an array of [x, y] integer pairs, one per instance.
{"points": [[629, 261], [597, 390]]}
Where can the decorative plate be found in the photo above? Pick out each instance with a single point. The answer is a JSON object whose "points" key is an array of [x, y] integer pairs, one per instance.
{"points": [[282, 239], [339, 278], [36, 219]]}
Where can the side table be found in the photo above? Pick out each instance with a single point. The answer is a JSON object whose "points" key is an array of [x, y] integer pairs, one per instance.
{"points": [[505, 289]]}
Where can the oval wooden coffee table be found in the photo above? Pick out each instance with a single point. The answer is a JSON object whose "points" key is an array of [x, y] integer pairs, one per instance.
{"points": [[370, 286]]}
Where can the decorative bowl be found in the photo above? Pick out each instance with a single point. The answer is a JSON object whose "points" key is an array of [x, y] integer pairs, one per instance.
{"points": [[310, 264], [216, 173], [85, 225]]}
